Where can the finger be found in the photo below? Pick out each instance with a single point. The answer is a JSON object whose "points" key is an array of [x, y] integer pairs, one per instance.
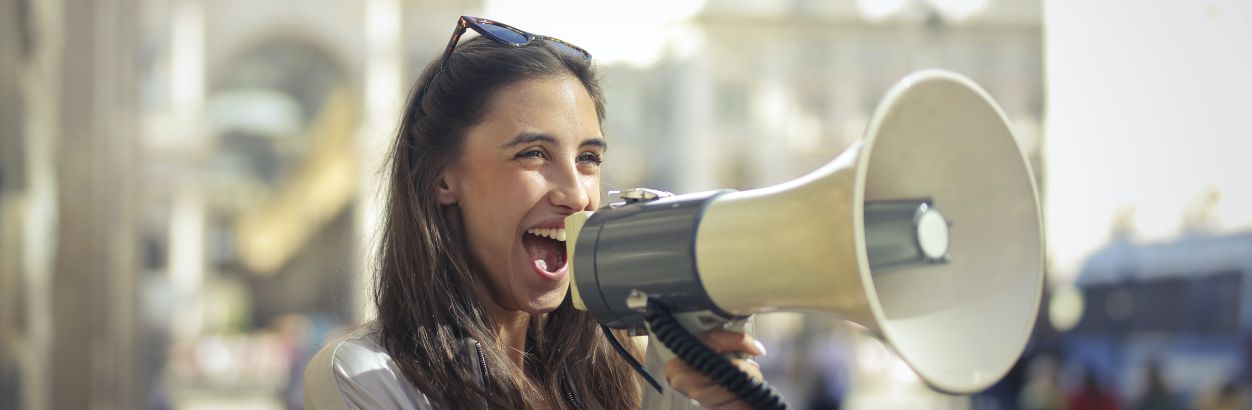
{"points": [[751, 367], [683, 378], [714, 401], [725, 341], [689, 382], [679, 366], [713, 396], [676, 367], [692, 378]]}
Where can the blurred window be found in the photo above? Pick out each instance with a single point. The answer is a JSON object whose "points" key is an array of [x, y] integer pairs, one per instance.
{"points": [[1153, 310], [1198, 304], [1213, 305]]}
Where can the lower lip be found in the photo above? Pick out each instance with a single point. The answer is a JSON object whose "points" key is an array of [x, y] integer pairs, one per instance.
{"points": [[551, 276]]}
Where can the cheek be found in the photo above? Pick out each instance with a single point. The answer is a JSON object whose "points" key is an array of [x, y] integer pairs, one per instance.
{"points": [[498, 205], [593, 190]]}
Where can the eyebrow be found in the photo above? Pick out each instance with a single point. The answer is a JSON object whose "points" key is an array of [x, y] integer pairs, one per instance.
{"points": [[530, 137]]}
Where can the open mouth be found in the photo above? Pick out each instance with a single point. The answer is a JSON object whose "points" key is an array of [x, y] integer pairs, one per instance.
{"points": [[546, 248]]}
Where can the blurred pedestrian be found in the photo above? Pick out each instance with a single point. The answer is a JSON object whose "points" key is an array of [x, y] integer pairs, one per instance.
{"points": [[1230, 396], [1042, 390], [1092, 395], [1158, 395]]}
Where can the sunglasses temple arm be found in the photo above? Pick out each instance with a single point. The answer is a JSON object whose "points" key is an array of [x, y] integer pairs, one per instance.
{"points": [[456, 35]]}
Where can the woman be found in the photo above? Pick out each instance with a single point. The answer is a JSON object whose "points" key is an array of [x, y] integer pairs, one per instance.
{"points": [[500, 140]]}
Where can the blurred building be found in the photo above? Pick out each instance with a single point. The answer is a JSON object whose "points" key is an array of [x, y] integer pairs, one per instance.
{"points": [[189, 188], [69, 270], [1179, 306], [756, 93]]}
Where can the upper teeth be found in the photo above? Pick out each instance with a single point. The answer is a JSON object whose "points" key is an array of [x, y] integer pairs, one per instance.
{"points": [[558, 234]]}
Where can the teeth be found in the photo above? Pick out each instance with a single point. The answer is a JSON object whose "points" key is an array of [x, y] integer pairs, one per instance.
{"points": [[558, 234]]}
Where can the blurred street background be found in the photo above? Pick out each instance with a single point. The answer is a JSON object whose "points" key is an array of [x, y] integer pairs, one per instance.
{"points": [[189, 188]]}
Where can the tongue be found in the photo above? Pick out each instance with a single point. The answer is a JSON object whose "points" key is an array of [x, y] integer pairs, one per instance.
{"points": [[547, 254]]}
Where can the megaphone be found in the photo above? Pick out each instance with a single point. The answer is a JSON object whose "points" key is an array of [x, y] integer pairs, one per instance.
{"points": [[926, 233]]}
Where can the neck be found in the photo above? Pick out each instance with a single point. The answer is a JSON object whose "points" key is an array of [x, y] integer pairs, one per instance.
{"points": [[511, 326]]}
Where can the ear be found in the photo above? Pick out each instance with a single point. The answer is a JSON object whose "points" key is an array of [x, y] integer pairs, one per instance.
{"points": [[445, 189]]}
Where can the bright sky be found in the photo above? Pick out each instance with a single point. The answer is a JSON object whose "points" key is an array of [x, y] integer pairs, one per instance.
{"points": [[1147, 110], [629, 32]]}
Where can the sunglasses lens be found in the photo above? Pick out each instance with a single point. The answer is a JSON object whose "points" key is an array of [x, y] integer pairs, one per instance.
{"points": [[570, 50], [505, 34]]}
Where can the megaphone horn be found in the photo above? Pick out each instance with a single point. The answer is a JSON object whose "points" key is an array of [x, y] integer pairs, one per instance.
{"points": [[926, 232]]}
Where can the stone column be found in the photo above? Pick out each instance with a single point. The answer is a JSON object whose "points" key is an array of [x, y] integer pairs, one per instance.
{"points": [[94, 283]]}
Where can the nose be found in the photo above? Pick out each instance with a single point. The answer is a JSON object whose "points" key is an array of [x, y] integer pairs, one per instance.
{"points": [[571, 189]]}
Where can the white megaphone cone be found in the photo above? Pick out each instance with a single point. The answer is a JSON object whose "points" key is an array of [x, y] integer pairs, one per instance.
{"points": [[926, 232]]}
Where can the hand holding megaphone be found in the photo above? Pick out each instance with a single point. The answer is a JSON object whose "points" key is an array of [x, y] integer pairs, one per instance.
{"points": [[926, 232]]}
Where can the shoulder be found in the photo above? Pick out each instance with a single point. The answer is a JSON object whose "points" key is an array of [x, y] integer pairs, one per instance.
{"points": [[354, 371]]}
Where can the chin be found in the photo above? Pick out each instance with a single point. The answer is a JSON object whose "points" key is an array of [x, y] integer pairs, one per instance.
{"points": [[547, 302]]}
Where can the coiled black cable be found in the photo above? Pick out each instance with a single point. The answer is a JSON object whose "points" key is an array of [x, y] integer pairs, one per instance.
{"points": [[758, 394]]}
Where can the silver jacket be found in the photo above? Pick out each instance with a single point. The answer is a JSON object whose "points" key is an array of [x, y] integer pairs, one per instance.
{"points": [[354, 371]]}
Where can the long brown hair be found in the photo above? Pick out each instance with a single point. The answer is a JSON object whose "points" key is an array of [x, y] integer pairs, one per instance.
{"points": [[426, 285]]}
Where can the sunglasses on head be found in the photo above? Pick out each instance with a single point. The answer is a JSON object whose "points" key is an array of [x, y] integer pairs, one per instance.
{"points": [[507, 35], [500, 33]]}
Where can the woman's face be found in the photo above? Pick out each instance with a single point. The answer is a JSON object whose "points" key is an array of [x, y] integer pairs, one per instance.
{"points": [[533, 160]]}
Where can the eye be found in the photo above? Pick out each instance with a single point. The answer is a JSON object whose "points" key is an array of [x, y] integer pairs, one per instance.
{"points": [[531, 154], [590, 158]]}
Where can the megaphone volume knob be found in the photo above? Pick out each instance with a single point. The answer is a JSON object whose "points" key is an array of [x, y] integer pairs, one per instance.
{"points": [[641, 194]]}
